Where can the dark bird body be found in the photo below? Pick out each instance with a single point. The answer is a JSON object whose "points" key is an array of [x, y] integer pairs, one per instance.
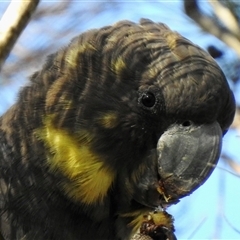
{"points": [[78, 150]]}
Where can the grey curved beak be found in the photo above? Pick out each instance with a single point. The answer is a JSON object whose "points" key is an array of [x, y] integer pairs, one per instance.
{"points": [[187, 156]]}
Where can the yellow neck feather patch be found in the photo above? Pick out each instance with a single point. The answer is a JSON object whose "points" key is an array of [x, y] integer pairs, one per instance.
{"points": [[89, 177], [138, 217], [158, 218]]}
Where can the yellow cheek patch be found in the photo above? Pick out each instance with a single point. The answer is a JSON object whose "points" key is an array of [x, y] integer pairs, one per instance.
{"points": [[89, 179], [109, 120]]}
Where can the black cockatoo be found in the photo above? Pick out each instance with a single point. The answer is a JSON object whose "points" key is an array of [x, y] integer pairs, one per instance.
{"points": [[125, 119]]}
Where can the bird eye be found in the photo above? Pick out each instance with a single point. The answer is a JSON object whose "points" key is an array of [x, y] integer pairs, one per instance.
{"points": [[186, 123], [148, 99]]}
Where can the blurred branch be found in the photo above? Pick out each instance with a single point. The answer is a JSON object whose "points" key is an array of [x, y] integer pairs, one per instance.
{"points": [[226, 16], [212, 26], [12, 23], [55, 9], [197, 228], [231, 225], [235, 166]]}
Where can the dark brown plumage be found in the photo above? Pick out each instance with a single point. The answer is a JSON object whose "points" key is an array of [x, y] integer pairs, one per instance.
{"points": [[78, 150]]}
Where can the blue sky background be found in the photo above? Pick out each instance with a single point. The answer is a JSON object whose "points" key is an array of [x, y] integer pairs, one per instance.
{"points": [[211, 212]]}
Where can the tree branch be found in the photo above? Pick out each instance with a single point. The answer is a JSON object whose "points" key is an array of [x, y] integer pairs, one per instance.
{"points": [[12, 23], [225, 15]]}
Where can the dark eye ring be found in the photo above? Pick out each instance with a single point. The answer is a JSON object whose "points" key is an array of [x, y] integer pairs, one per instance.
{"points": [[148, 99]]}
